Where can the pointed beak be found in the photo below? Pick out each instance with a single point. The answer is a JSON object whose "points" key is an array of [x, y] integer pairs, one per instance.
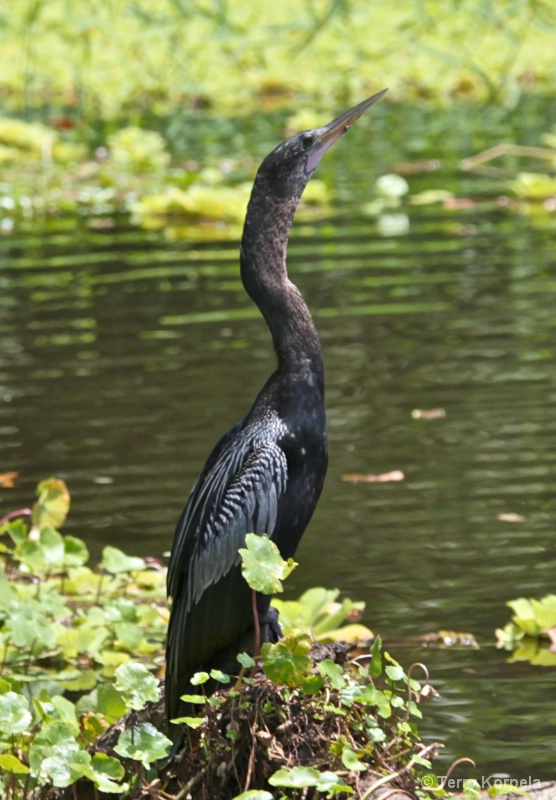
{"points": [[332, 132]]}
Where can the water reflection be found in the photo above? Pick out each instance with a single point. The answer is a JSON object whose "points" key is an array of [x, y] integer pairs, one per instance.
{"points": [[123, 357]]}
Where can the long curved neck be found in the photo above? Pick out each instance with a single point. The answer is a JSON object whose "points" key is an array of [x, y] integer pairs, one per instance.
{"points": [[265, 278]]}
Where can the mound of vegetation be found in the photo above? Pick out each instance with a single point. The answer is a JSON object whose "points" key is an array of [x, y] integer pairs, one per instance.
{"points": [[80, 708]]}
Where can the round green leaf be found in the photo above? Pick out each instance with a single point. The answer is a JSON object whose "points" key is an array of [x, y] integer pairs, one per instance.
{"points": [[116, 561], [218, 675], [105, 772], [137, 685], [262, 565], [15, 716], [52, 545], [394, 672], [66, 767], [351, 762], [76, 553], [295, 778], [245, 660], [287, 662], [144, 743], [199, 678]]}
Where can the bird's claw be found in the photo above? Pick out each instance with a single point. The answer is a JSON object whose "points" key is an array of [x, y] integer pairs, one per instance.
{"points": [[271, 628]]}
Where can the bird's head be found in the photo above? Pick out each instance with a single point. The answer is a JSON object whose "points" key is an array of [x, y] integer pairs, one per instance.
{"points": [[288, 168]]}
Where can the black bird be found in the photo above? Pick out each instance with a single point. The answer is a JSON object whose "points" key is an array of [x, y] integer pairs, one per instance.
{"points": [[266, 474]]}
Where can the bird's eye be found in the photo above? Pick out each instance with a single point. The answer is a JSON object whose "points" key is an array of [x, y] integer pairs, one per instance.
{"points": [[308, 139]]}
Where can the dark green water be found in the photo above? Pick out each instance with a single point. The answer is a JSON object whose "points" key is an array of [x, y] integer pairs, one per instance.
{"points": [[123, 357]]}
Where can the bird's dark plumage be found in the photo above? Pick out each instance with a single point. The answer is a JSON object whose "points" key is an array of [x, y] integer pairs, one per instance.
{"points": [[266, 474]]}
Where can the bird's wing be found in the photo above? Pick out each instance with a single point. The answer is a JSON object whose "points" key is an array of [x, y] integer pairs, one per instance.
{"points": [[184, 537], [249, 505], [237, 495], [240, 494]]}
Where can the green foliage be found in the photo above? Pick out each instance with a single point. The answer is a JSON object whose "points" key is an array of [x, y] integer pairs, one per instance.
{"points": [[370, 708], [262, 566], [143, 743], [318, 611], [307, 777], [468, 48], [52, 506], [136, 684], [136, 149], [531, 634], [534, 186], [81, 163], [287, 662], [80, 646], [67, 628]]}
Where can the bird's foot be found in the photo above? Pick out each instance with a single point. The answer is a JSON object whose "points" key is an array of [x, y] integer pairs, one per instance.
{"points": [[271, 630]]}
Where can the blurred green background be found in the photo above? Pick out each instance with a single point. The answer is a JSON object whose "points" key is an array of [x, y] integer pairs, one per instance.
{"points": [[106, 60]]}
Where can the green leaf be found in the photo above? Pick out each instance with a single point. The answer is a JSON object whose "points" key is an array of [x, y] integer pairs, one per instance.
{"points": [[318, 611], [83, 581], [191, 722], [287, 662], [334, 672], [199, 678], [245, 660], [31, 554], [311, 684], [394, 672], [66, 767], [351, 762], [17, 530], [143, 743], [295, 778], [65, 710], [194, 698], [9, 763], [545, 612], [85, 639], [376, 657], [7, 592], [109, 766], [104, 773], [129, 634], [137, 685], [262, 566], [306, 777], [55, 740], [105, 700], [332, 784], [52, 506], [254, 794], [116, 561], [524, 616], [52, 546], [15, 716], [76, 553], [219, 676]]}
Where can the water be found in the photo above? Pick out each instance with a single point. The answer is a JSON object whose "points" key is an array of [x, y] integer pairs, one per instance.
{"points": [[123, 357]]}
